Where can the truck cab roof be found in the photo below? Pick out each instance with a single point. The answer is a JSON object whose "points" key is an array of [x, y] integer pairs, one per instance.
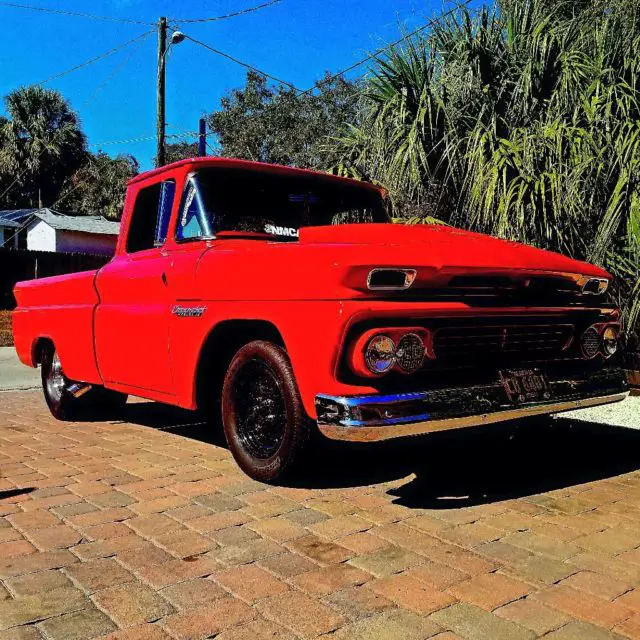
{"points": [[261, 167]]}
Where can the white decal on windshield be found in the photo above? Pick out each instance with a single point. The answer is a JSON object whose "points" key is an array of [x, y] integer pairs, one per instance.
{"points": [[289, 232]]}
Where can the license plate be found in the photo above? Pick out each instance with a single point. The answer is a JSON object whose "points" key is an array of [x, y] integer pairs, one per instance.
{"points": [[525, 385]]}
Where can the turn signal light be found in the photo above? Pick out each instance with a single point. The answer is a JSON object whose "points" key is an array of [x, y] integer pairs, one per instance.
{"points": [[600, 339], [610, 338], [594, 286]]}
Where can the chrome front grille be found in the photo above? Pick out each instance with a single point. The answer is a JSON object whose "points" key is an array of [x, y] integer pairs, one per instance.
{"points": [[508, 341]]}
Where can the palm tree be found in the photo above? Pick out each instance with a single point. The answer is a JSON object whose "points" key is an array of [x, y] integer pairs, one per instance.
{"points": [[521, 120], [41, 144]]}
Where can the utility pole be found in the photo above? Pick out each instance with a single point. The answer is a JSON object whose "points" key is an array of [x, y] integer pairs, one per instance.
{"points": [[162, 50], [202, 138]]}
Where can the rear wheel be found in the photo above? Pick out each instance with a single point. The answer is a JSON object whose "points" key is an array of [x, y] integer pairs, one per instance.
{"points": [[264, 421], [57, 387]]}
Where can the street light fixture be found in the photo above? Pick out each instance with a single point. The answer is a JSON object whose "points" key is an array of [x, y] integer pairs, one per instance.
{"points": [[176, 38]]}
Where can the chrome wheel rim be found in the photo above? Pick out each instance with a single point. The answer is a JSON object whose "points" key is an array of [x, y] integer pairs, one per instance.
{"points": [[56, 380], [259, 409]]}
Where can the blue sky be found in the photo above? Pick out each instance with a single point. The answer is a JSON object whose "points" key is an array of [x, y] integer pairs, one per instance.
{"points": [[296, 40]]}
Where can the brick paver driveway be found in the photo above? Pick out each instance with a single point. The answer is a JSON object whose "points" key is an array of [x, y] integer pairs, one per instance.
{"points": [[146, 529]]}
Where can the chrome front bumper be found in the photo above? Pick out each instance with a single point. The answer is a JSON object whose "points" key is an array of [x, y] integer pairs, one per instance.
{"points": [[382, 417]]}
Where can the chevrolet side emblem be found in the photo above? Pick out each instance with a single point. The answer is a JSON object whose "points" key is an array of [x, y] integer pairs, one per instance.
{"points": [[188, 312]]}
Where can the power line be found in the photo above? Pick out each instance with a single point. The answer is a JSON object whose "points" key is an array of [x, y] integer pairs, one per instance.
{"points": [[228, 15], [330, 78], [17, 179], [66, 194], [102, 56], [28, 221], [186, 134], [338, 74], [57, 202], [22, 226], [210, 147], [21, 175], [243, 64], [74, 14], [79, 184], [196, 135], [115, 71], [375, 54]]}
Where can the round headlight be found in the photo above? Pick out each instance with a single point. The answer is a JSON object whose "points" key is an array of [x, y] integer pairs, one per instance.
{"points": [[410, 353], [380, 354], [590, 343], [610, 341]]}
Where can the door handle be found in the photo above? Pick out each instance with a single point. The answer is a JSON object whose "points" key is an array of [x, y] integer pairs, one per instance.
{"points": [[165, 282]]}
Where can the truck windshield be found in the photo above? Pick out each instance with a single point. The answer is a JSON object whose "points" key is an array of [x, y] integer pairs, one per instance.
{"points": [[222, 200]]}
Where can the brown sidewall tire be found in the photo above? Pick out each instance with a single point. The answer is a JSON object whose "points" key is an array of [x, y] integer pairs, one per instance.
{"points": [[296, 427]]}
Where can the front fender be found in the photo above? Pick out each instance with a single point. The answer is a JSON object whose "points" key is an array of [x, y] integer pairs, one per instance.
{"points": [[312, 332]]}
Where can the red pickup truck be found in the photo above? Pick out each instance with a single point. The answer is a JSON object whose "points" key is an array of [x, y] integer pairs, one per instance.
{"points": [[282, 301]]}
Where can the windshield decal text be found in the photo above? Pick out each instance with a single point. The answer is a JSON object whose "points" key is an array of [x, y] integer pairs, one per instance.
{"points": [[274, 230]]}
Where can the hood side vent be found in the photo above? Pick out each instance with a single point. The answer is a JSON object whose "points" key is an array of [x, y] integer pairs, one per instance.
{"points": [[390, 279]]}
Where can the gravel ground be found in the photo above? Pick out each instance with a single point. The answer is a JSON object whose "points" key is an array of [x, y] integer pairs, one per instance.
{"points": [[621, 414], [6, 338]]}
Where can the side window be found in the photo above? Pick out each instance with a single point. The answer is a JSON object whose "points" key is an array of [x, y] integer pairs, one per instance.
{"points": [[150, 216], [194, 221]]}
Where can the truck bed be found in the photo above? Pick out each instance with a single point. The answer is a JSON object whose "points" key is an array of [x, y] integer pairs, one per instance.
{"points": [[60, 309]]}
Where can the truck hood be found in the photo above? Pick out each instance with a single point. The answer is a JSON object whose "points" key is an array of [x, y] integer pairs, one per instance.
{"points": [[440, 246], [333, 262]]}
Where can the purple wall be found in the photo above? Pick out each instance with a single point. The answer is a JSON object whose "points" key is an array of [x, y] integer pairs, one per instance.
{"points": [[77, 242]]}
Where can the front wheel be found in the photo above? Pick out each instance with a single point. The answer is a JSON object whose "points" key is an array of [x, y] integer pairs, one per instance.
{"points": [[264, 422], [97, 402]]}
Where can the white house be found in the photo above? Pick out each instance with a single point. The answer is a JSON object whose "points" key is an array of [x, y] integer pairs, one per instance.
{"points": [[48, 230]]}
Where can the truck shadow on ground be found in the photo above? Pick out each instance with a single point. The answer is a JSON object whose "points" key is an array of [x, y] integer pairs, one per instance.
{"points": [[12, 493], [466, 469], [453, 469]]}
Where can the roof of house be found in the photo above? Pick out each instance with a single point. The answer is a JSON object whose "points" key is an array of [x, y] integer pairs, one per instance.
{"points": [[9, 223], [82, 224], [16, 217]]}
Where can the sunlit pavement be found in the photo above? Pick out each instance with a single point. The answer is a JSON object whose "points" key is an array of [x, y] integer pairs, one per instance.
{"points": [[13, 374], [146, 529], [622, 414]]}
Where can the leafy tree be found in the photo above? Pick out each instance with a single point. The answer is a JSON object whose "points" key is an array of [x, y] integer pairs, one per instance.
{"points": [[521, 120], [41, 144], [281, 125], [180, 150], [98, 187]]}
